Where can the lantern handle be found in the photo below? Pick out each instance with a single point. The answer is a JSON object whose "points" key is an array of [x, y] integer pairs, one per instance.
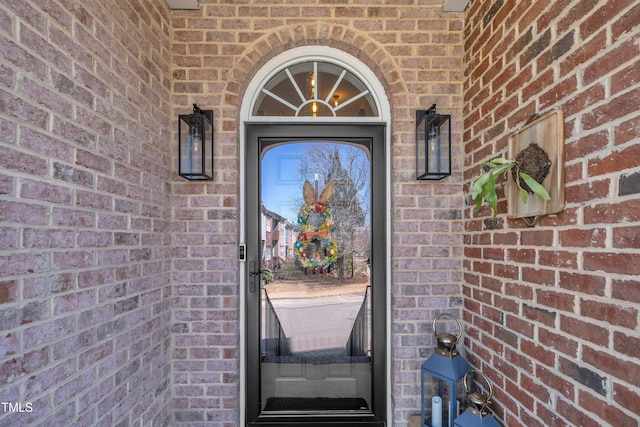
{"points": [[433, 324], [486, 380]]}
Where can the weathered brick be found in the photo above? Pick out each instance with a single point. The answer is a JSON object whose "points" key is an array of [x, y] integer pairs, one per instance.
{"points": [[554, 381], [189, 416], [35, 287], [594, 237], [580, 193], [612, 212], [626, 290], [126, 305], [622, 263], [558, 342], [572, 412], [616, 108], [46, 332], [538, 275], [583, 375], [584, 329], [539, 314], [585, 283], [626, 398], [613, 314], [609, 413], [8, 290], [629, 184], [23, 162], [617, 161], [128, 371], [537, 352], [74, 301], [70, 174], [93, 162], [46, 145], [44, 191], [19, 263], [44, 238]]}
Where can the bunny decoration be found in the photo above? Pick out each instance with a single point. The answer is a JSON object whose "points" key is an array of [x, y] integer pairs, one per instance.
{"points": [[314, 247]]}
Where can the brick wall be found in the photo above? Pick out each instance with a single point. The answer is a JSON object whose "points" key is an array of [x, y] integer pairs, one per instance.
{"points": [[416, 52], [100, 239], [553, 311], [84, 213]]}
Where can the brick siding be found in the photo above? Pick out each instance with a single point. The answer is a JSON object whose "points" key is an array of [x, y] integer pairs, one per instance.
{"points": [[416, 53], [85, 213], [119, 289], [553, 310]]}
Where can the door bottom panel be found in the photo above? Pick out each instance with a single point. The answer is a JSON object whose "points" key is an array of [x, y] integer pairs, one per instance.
{"points": [[316, 404]]}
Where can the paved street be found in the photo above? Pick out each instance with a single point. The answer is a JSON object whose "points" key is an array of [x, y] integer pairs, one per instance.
{"points": [[318, 323]]}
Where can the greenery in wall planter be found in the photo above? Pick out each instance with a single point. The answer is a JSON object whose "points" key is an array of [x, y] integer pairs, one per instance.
{"points": [[528, 169]]}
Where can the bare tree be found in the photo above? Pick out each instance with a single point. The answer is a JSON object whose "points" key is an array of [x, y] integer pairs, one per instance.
{"points": [[349, 168]]}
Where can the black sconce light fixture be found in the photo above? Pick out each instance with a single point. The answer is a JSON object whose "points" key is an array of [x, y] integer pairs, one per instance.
{"points": [[433, 144], [195, 145]]}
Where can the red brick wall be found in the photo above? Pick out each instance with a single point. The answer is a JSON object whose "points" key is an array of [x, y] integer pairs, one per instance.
{"points": [[104, 248], [84, 213], [553, 311]]}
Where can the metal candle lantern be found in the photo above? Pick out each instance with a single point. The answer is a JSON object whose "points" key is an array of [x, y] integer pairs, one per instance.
{"points": [[477, 414], [447, 368], [195, 145]]}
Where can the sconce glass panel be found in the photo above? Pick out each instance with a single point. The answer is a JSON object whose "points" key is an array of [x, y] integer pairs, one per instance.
{"points": [[433, 145], [195, 148]]}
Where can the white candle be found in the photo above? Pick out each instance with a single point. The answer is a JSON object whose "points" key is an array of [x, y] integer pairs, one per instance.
{"points": [[436, 411]]}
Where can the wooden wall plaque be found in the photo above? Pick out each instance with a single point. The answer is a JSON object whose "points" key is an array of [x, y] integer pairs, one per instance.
{"points": [[548, 132]]}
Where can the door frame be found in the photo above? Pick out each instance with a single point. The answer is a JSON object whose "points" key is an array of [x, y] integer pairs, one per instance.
{"points": [[354, 65], [376, 134]]}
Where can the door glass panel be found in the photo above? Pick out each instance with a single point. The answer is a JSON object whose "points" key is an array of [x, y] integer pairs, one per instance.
{"points": [[315, 337]]}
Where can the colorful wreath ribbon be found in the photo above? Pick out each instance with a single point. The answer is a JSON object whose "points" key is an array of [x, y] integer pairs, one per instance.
{"points": [[328, 247]]}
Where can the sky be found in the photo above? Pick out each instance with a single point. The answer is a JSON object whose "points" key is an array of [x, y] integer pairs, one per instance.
{"points": [[281, 180]]}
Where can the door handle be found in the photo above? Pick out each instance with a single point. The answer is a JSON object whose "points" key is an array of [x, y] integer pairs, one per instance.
{"points": [[258, 273], [253, 273]]}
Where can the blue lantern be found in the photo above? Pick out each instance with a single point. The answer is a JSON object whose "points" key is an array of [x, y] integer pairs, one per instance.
{"points": [[477, 414], [441, 377]]}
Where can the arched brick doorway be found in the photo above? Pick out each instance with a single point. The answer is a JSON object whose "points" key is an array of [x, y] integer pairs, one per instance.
{"points": [[297, 122]]}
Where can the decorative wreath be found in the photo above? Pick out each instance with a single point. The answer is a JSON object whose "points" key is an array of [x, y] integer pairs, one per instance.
{"points": [[308, 210], [312, 232]]}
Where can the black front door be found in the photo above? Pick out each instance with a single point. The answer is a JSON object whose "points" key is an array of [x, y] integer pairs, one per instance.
{"points": [[316, 275]]}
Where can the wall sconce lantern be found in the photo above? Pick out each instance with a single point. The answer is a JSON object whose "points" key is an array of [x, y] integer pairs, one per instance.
{"points": [[441, 377], [195, 145], [477, 414], [433, 144]]}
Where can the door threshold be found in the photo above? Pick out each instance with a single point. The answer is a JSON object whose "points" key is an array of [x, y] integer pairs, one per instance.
{"points": [[317, 420], [317, 412]]}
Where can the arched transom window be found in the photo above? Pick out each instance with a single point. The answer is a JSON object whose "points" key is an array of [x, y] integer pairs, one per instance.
{"points": [[314, 89]]}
